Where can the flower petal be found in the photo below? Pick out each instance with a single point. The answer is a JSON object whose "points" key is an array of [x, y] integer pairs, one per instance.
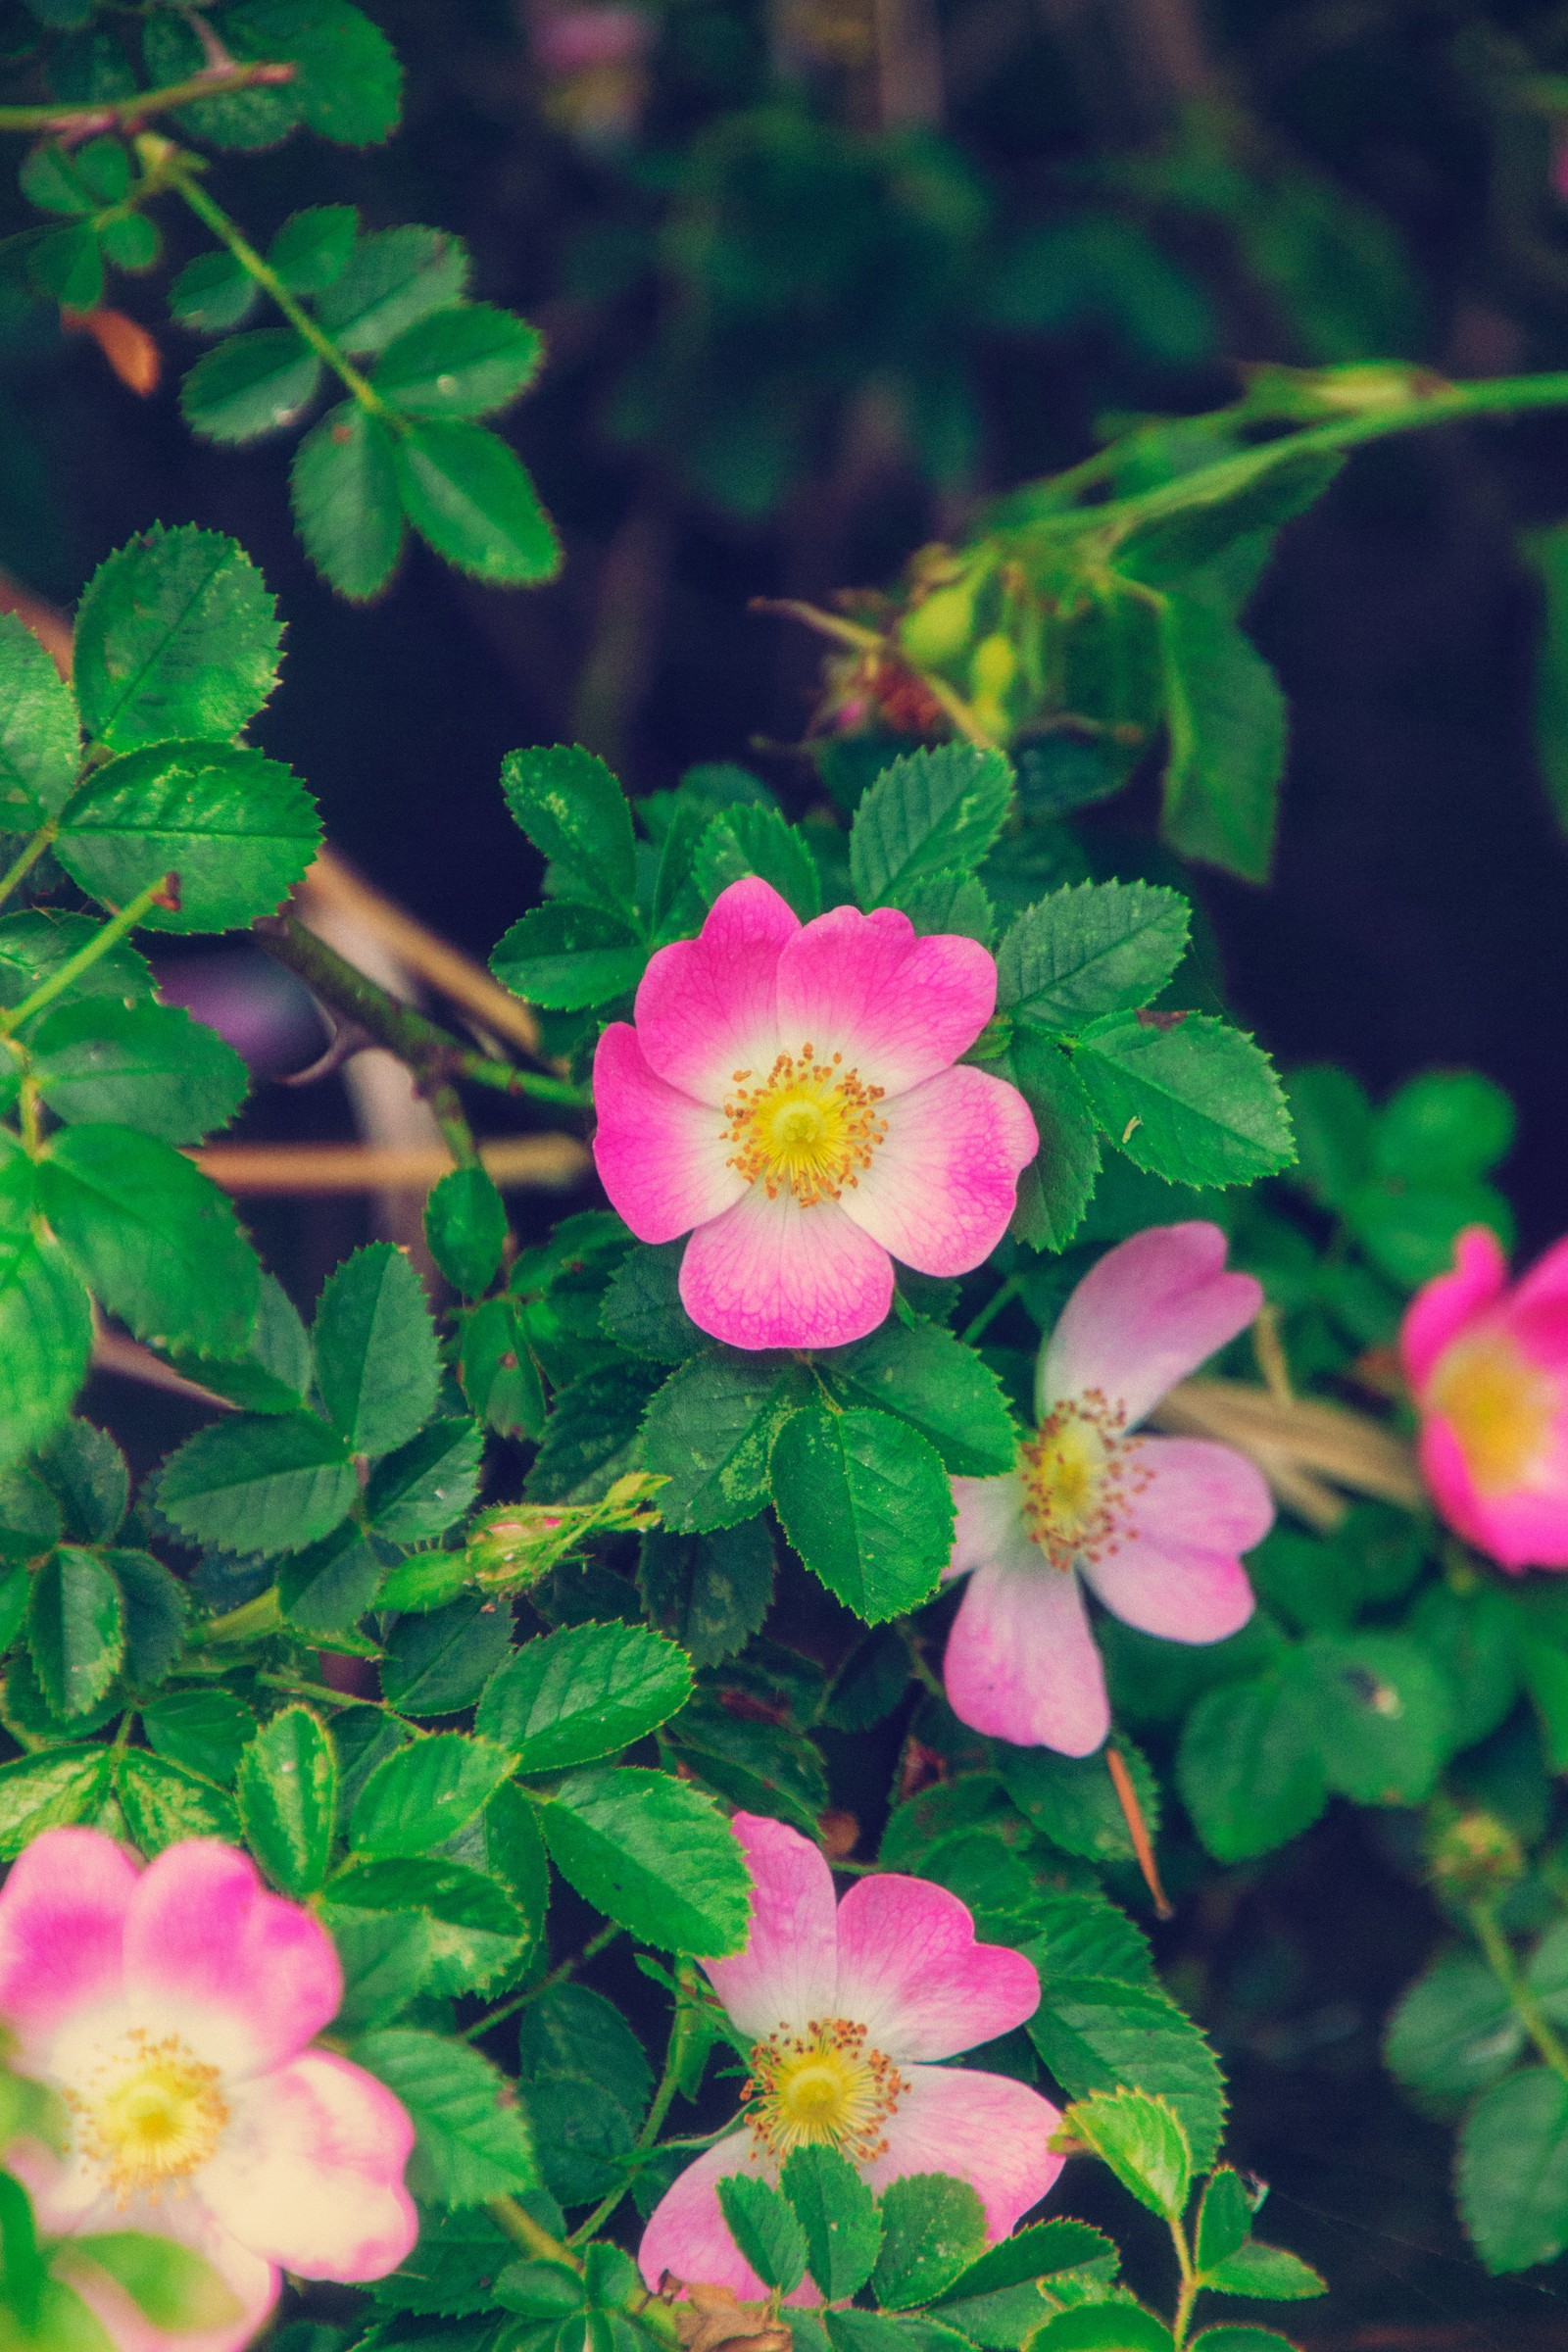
{"points": [[989, 1524], [707, 1007], [62, 1930], [1441, 1309], [686, 2233], [986, 2129], [310, 2172], [243, 1977], [772, 1274], [253, 2281], [661, 1155], [786, 1975], [1149, 1312], [1021, 1662], [898, 1008], [1176, 1572], [1526, 1527], [911, 1973], [943, 1183]]}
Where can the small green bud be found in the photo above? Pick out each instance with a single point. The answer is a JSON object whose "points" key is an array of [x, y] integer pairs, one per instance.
{"points": [[1471, 1855]]}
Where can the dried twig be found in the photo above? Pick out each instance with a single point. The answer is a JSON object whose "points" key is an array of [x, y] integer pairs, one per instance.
{"points": [[548, 1162], [1306, 1448]]}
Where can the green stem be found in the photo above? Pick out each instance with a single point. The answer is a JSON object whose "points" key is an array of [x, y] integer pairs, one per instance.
{"points": [[1187, 2294], [21, 867], [252, 1621], [119, 114], [533, 2238], [924, 1673], [503, 1079], [1499, 1958], [66, 975], [680, 2032], [1003, 1296], [557, 1976]]}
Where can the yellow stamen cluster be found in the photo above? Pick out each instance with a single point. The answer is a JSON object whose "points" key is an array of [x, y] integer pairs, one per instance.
{"points": [[149, 2115], [1080, 1474], [810, 1126], [822, 2088], [1500, 1407]]}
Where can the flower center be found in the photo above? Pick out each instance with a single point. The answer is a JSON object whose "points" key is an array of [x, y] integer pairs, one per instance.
{"points": [[1079, 1475], [808, 1125], [1500, 1407], [822, 2088], [150, 2114]]}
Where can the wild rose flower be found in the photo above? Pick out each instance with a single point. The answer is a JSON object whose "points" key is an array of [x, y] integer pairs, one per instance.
{"points": [[1154, 1526], [1489, 1367], [172, 2008], [848, 2010], [788, 1097]]}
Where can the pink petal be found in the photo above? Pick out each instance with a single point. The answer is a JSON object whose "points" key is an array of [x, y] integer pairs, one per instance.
{"points": [[911, 1973], [986, 2129], [662, 1156], [786, 1975], [942, 1187], [1546, 1282], [61, 1929], [686, 2233], [989, 1523], [706, 1006], [244, 1976], [253, 2281], [1441, 1309], [898, 1008], [1525, 1528], [1175, 1571], [1151, 1312], [310, 2172], [772, 1274], [1021, 1662]]}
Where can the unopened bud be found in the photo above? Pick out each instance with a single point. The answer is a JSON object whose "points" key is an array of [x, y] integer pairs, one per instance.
{"points": [[514, 1544], [938, 628], [1471, 1854]]}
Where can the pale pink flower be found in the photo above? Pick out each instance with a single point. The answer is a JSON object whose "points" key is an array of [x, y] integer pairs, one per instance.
{"points": [[1489, 1368], [788, 1091], [848, 2010], [171, 2007], [1154, 1526]]}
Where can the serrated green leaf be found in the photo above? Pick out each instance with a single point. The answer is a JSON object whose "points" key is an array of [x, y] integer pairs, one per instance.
{"points": [[148, 1066], [1224, 2219], [156, 1609], [1513, 2170], [468, 361], [469, 2146], [575, 815], [45, 1323], [343, 488], [933, 2230], [866, 1503], [925, 1376], [469, 494], [255, 1484], [163, 1804], [763, 1767], [1268, 2272], [566, 957], [1074, 1799], [176, 636], [250, 385], [949, 902], [642, 1308], [394, 277], [1057, 1187], [1116, 2327], [763, 2226], [76, 1628], [711, 1593], [207, 1732], [475, 1929], [710, 1432], [312, 249], [1227, 723], [587, 2086], [591, 1437], [1455, 2031], [1186, 1097], [1382, 1713], [90, 1475], [750, 839], [1102, 947], [325, 1590], [1097, 2035], [838, 2216], [213, 293], [425, 1794], [466, 1226], [437, 1665], [453, 2268], [1170, 546], [417, 1493], [35, 943], [49, 1793], [1142, 2142], [376, 1361], [348, 86], [930, 812], [500, 1378], [1249, 1767], [651, 1854], [584, 1691], [40, 735], [287, 1789]]}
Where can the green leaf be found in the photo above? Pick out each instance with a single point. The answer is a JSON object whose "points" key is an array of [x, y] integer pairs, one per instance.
{"points": [[67, 266], [565, 955], [1241, 2339], [206, 1732], [30, 1526], [170, 2284], [163, 1804], [1249, 1767], [1382, 1713], [343, 487], [49, 1793], [1073, 1800], [312, 249], [586, 2085], [376, 1361], [1142, 2142], [651, 1854], [764, 1767], [349, 85], [585, 1692], [1164, 550], [1268, 2272], [933, 2230], [76, 1630], [1103, 2327], [1334, 1125], [850, 2331], [437, 1665], [575, 815], [39, 736], [467, 362], [45, 1324], [466, 1226], [1057, 1187], [1513, 2170], [394, 277], [500, 1378], [250, 385], [951, 903], [1097, 2035], [866, 1503], [469, 2146], [473, 1930], [1455, 2031], [642, 1309], [924, 1376], [750, 839], [453, 2269], [710, 1432], [325, 1590], [930, 812], [34, 944], [416, 1494], [1102, 947], [424, 1794], [711, 1593], [839, 2216], [176, 636], [1227, 740], [258, 1485], [763, 2226], [1195, 1102], [591, 1437], [1224, 2219], [1548, 552], [288, 1800], [213, 293], [149, 1066], [1444, 1126], [471, 496], [153, 1237], [237, 828], [90, 1475]]}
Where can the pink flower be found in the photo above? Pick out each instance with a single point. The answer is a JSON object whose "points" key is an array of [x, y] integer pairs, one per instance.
{"points": [[788, 1091], [1154, 1525], [172, 2008], [847, 2011], [1488, 1366]]}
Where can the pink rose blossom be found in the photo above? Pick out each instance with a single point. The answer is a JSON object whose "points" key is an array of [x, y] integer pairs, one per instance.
{"points": [[788, 1097], [847, 2011], [172, 2008], [1489, 1368], [1154, 1526]]}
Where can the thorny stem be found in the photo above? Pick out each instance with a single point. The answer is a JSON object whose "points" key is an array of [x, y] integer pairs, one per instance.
{"points": [[557, 1976], [1499, 1958], [66, 975], [124, 114], [680, 2030]]}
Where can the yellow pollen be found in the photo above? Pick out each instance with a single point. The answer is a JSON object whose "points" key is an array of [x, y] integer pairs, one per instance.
{"points": [[808, 1126], [822, 2088], [150, 2115], [1500, 1409], [1079, 1475]]}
